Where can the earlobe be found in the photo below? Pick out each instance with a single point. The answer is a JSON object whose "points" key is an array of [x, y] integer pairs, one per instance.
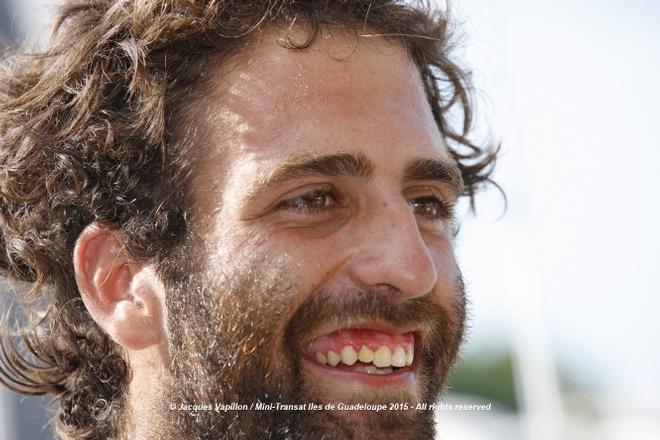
{"points": [[124, 297]]}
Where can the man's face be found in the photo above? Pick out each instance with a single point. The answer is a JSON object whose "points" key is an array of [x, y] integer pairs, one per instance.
{"points": [[321, 268]]}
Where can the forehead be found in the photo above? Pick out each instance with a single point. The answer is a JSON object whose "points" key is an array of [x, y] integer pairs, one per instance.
{"points": [[339, 90]]}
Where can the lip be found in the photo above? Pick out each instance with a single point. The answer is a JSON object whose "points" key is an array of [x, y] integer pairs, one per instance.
{"points": [[401, 377], [381, 327]]}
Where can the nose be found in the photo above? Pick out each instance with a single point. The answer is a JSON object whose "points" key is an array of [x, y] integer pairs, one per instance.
{"points": [[390, 253]]}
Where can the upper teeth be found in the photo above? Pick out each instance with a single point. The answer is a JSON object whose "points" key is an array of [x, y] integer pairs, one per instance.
{"points": [[366, 355], [383, 357], [399, 357], [348, 355], [333, 358]]}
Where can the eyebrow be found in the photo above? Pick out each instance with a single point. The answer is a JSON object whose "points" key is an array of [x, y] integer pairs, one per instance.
{"points": [[359, 166], [435, 170], [335, 165]]}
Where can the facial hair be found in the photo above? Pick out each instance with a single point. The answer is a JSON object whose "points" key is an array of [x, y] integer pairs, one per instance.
{"points": [[237, 338]]}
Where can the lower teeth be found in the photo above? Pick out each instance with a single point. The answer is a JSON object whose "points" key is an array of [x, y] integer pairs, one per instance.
{"points": [[370, 369]]}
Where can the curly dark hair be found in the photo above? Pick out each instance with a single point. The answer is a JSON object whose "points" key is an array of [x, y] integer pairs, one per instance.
{"points": [[100, 127]]}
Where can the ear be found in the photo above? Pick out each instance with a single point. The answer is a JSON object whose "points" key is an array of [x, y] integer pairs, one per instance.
{"points": [[124, 297]]}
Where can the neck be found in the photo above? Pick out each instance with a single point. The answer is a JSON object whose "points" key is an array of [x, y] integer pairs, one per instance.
{"points": [[144, 406]]}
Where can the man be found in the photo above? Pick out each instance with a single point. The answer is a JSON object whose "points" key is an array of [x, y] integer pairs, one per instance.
{"points": [[237, 218]]}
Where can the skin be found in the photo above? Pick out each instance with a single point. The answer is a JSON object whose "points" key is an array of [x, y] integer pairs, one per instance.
{"points": [[374, 226]]}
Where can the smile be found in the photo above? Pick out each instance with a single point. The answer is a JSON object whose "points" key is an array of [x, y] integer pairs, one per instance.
{"points": [[372, 356]]}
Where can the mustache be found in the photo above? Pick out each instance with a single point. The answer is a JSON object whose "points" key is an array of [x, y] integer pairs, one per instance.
{"points": [[424, 312]]}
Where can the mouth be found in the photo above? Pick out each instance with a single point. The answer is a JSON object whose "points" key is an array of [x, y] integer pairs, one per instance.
{"points": [[370, 354]]}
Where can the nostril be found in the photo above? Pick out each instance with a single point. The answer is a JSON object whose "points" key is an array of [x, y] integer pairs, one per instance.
{"points": [[384, 288]]}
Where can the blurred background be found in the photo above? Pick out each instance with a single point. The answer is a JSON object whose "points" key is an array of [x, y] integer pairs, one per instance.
{"points": [[564, 287]]}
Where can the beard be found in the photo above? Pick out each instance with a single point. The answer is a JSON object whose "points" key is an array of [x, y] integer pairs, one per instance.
{"points": [[237, 338]]}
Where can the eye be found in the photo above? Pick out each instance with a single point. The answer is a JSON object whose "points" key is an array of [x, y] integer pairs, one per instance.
{"points": [[311, 202], [431, 208]]}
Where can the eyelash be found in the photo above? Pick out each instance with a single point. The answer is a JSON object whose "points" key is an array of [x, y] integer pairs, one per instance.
{"points": [[295, 203], [443, 210]]}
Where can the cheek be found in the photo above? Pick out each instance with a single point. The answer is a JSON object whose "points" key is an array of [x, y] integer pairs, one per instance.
{"points": [[304, 262], [312, 256], [442, 252], [230, 247], [314, 261]]}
